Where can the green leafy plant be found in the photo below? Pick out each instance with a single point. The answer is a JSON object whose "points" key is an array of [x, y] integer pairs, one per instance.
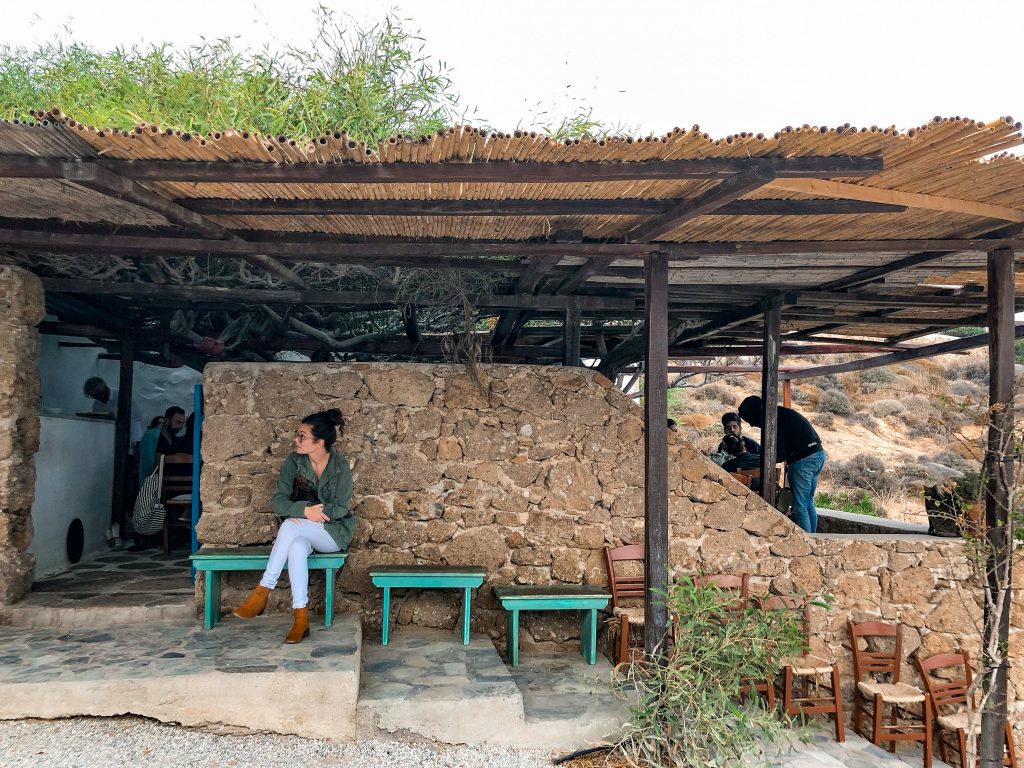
{"points": [[689, 710], [371, 82]]}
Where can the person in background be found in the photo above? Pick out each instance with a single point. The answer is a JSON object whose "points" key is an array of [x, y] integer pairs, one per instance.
{"points": [[183, 443], [104, 398], [147, 448], [742, 459], [731, 426], [174, 420], [800, 448], [672, 426]]}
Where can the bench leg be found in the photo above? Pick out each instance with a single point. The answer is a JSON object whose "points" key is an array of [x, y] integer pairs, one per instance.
{"points": [[216, 598], [211, 586], [387, 610], [329, 597], [588, 635], [512, 637], [466, 600]]}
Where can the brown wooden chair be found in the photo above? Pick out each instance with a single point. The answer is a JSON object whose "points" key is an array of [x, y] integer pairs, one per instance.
{"points": [[904, 724], [737, 588], [176, 493], [624, 586], [803, 691], [950, 703]]}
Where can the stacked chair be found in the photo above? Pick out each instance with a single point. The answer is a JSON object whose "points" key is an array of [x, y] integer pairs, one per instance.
{"points": [[947, 681], [810, 682], [888, 699]]}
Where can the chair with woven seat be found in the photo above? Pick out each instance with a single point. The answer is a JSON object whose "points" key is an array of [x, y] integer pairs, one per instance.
{"points": [[894, 696], [625, 586], [951, 700], [737, 588], [803, 691], [176, 493]]}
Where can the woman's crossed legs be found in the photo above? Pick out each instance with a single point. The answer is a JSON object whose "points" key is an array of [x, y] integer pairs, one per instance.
{"points": [[296, 539]]}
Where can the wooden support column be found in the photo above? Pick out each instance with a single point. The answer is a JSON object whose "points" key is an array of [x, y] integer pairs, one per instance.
{"points": [[999, 468], [770, 398], [571, 354], [656, 453], [122, 435], [787, 393]]}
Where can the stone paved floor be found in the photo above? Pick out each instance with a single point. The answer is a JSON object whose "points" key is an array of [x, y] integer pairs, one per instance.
{"points": [[110, 588], [561, 686], [168, 650]]}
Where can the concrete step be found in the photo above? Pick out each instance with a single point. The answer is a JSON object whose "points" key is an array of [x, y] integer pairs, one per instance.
{"points": [[238, 674], [426, 683], [111, 611]]}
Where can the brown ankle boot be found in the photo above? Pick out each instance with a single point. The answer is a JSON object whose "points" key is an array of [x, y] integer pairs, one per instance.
{"points": [[300, 626], [254, 604]]}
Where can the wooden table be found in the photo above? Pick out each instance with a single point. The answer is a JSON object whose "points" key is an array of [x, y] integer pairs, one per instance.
{"points": [[587, 600], [466, 578]]}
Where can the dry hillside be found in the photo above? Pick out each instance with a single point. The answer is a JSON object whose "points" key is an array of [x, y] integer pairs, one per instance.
{"points": [[888, 431]]}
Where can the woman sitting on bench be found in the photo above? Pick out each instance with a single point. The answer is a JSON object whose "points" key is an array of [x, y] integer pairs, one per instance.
{"points": [[313, 494]]}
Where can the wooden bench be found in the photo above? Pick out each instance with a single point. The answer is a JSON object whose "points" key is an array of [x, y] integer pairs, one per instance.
{"points": [[466, 578], [213, 562], [587, 600]]}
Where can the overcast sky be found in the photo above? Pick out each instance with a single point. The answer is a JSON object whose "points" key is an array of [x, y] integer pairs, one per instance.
{"points": [[648, 66]]}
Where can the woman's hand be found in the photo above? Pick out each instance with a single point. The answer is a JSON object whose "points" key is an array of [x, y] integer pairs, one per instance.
{"points": [[315, 514]]}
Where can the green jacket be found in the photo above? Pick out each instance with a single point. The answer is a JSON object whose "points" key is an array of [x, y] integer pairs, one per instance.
{"points": [[147, 453], [334, 488]]}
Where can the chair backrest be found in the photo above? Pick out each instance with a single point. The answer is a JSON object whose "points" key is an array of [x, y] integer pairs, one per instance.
{"points": [[795, 604], [175, 474], [743, 477], [869, 662], [943, 691], [739, 584], [623, 585]]}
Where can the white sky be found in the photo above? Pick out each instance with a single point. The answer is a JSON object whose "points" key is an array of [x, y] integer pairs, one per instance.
{"points": [[647, 66]]}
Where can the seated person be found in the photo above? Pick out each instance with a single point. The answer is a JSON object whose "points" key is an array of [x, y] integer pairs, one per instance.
{"points": [[731, 426], [742, 459]]}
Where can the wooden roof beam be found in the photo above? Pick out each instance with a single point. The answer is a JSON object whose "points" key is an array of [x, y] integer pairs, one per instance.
{"points": [[501, 171], [549, 207], [943, 348], [381, 297], [100, 179], [724, 192], [846, 191]]}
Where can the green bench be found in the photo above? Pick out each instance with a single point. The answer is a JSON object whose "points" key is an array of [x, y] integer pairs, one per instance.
{"points": [[587, 600], [213, 562], [466, 578]]}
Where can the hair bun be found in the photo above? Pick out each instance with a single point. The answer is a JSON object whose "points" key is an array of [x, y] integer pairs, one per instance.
{"points": [[333, 416]]}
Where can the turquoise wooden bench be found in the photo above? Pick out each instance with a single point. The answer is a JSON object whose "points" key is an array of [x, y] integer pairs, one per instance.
{"points": [[466, 578], [213, 562], [587, 600]]}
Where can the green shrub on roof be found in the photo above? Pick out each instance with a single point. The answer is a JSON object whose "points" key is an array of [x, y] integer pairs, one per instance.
{"points": [[370, 82]]}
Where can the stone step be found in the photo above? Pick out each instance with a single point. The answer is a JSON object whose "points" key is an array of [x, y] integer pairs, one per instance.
{"points": [[238, 674], [426, 682], [106, 614]]}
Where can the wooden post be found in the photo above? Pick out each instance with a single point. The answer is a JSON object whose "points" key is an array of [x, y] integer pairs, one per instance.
{"points": [[122, 435], [770, 398], [999, 468], [787, 393], [571, 353], [656, 453]]}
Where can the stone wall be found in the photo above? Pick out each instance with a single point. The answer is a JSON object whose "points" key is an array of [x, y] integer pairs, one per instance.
{"points": [[21, 309], [529, 472]]}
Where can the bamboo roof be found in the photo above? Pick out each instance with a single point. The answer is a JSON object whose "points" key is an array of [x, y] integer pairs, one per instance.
{"points": [[788, 228]]}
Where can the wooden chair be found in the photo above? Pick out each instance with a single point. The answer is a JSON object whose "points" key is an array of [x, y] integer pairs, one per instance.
{"points": [[813, 696], [176, 493], [624, 587], [735, 599], [904, 724], [952, 695]]}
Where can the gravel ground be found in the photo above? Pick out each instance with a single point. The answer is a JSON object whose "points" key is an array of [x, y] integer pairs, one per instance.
{"points": [[130, 741]]}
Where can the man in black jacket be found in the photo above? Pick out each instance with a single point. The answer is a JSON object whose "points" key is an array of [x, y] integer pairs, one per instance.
{"points": [[800, 447]]}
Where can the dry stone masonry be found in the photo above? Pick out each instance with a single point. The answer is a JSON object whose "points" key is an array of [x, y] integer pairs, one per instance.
{"points": [[21, 309], [529, 472]]}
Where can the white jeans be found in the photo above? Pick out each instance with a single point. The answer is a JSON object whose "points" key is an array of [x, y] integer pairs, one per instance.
{"points": [[296, 539]]}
